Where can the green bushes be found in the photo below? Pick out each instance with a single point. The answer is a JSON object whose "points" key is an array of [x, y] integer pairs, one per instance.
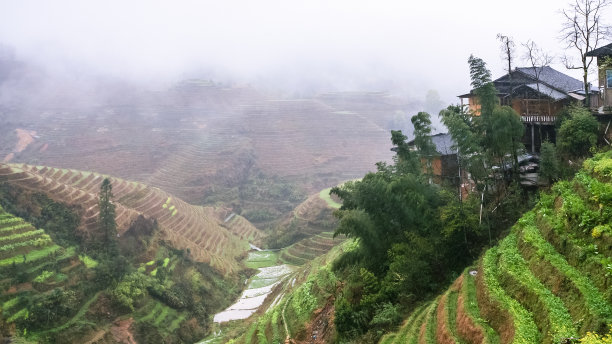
{"points": [[132, 288], [578, 133], [600, 164], [304, 302]]}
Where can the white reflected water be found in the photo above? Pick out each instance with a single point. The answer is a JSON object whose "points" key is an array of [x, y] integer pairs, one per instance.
{"points": [[253, 297]]}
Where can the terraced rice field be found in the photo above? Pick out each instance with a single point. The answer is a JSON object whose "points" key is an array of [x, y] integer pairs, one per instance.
{"points": [[21, 243], [30, 251], [163, 317], [188, 227], [547, 281], [307, 249]]}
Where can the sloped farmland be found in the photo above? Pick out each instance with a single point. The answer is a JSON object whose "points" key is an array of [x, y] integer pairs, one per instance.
{"points": [[195, 229]]}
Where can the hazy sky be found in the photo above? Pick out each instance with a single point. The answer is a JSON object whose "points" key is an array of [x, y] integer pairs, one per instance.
{"points": [[411, 45]]}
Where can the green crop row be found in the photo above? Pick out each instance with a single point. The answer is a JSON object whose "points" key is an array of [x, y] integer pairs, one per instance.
{"points": [[38, 242], [511, 261], [14, 227], [276, 335], [470, 304], [594, 299], [525, 329], [388, 338], [248, 336], [22, 314], [432, 323], [261, 332], [21, 235], [31, 256], [10, 303], [9, 219], [450, 314], [413, 333], [401, 336]]}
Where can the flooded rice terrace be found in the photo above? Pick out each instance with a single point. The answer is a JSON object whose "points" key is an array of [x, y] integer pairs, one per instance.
{"points": [[260, 286]]}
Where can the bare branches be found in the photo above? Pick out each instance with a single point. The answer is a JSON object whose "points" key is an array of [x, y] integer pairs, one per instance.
{"points": [[583, 31], [537, 58], [507, 48]]}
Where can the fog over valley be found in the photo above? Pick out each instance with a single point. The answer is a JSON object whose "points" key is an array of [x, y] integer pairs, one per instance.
{"points": [[296, 172]]}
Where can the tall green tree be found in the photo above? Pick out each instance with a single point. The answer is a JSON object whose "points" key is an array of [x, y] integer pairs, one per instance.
{"points": [[483, 87], [107, 212], [486, 139], [406, 160], [422, 139], [504, 133], [549, 165]]}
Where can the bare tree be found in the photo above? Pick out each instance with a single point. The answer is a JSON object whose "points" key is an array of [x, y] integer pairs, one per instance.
{"points": [[537, 58], [584, 31], [507, 48]]}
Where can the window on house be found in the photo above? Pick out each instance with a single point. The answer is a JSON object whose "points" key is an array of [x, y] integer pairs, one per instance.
{"points": [[609, 78]]}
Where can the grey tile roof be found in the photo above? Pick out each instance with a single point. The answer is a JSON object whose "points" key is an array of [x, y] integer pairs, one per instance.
{"points": [[443, 142], [552, 78], [601, 51], [548, 91]]}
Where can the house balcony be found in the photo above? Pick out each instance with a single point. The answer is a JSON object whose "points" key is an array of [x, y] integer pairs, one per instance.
{"points": [[602, 105], [538, 119]]}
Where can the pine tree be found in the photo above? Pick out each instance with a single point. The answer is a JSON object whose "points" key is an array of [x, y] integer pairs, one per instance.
{"points": [[107, 213]]}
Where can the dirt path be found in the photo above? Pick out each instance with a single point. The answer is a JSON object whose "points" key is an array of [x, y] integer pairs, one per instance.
{"points": [[321, 329], [121, 331]]}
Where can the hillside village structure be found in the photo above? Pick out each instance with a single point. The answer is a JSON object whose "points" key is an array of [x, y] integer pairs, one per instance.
{"points": [[604, 68], [537, 95]]}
